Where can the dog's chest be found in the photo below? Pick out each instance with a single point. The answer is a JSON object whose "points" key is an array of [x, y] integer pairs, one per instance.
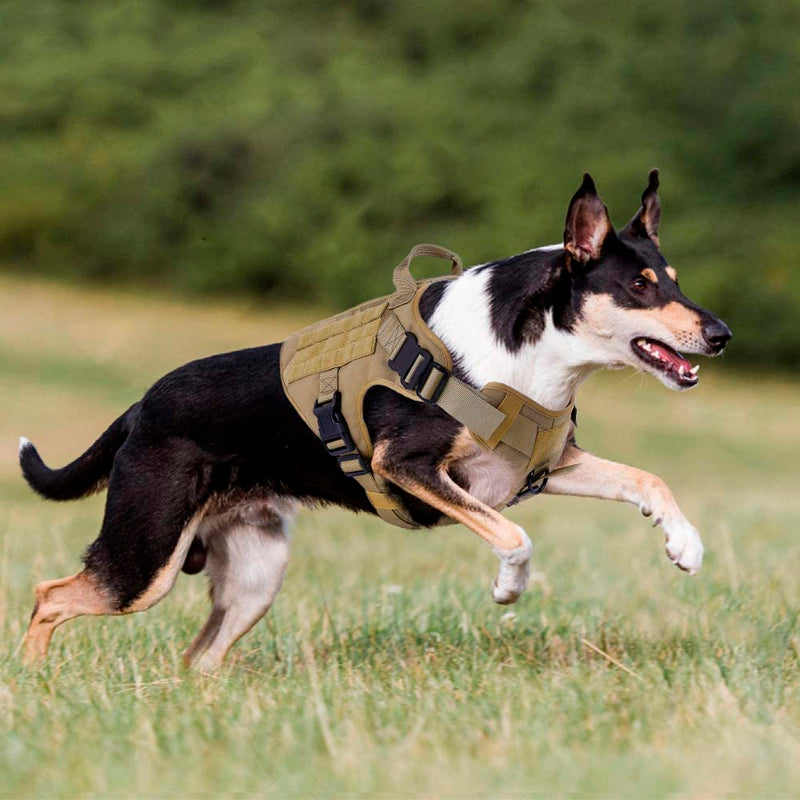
{"points": [[491, 479]]}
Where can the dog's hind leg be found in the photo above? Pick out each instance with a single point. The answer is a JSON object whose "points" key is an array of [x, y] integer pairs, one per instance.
{"points": [[151, 518], [58, 601], [86, 593], [246, 564]]}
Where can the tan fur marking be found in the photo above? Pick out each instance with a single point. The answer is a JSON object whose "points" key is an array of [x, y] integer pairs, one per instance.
{"points": [[58, 601], [491, 526], [604, 319], [463, 447], [608, 480], [677, 316], [66, 598], [165, 578], [650, 275], [672, 273]]}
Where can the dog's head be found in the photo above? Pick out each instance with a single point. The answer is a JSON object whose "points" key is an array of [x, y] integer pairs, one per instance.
{"points": [[630, 309]]}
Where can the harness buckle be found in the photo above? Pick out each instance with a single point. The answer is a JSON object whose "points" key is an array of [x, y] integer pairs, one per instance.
{"points": [[336, 437], [414, 364], [333, 429], [534, 484], [353, 465]]}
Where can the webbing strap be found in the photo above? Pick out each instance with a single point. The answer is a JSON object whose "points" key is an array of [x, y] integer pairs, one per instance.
{"points": [[403, 279], [457, 398], [468, 407], [350, 460], [385, 505], [328, 385], [490, 424]]}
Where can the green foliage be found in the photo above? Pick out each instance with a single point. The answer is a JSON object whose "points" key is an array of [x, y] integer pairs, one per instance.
{"points": [[299, 148]]}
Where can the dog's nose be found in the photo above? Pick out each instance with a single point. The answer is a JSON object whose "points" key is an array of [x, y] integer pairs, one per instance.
{"points": [[717, 334]]}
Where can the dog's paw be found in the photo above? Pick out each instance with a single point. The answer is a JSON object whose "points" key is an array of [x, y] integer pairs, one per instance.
{"points": [[684, 548], [514, 573]]}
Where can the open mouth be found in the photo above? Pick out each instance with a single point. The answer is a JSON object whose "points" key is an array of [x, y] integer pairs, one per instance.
{"points": [[663, 358]]}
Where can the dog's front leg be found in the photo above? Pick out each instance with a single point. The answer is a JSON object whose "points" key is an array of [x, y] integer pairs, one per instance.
{"points": [[427, 479], [597, 477]]}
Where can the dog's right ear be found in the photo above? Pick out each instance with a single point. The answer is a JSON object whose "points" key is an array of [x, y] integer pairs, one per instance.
{"points": [[646, 220], [588, 223]]}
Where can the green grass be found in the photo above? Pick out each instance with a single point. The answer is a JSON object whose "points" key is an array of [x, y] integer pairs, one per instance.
{"points": [[384, 667]]}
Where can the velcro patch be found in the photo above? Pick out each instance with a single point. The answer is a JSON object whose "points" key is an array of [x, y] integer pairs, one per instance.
{"points": [[334, 343]]}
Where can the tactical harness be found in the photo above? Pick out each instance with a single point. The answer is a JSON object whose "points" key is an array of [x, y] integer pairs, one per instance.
{"points": [[327, 369]]}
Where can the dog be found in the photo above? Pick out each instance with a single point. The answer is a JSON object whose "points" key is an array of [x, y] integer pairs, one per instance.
{"points": [[205, 470]]}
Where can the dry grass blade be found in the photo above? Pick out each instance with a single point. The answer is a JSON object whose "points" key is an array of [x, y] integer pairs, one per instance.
{"points": [[612, 660]]}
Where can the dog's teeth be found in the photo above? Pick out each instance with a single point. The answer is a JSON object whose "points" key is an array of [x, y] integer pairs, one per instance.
{"points": [[681, 370], [695, 370]]}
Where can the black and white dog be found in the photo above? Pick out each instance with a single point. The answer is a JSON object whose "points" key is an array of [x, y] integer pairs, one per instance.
{"points": [[206, 468]]}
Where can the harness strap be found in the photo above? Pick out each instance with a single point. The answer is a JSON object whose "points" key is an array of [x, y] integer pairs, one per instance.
{"points": [[405, 282], [452, 395], [491, 424], [335, 435]]}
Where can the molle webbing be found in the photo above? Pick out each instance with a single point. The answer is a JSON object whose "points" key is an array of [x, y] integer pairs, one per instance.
{"points": [[328, 368]]}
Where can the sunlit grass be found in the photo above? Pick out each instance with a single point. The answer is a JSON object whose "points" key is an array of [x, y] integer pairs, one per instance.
{"points": [[384, 666]]}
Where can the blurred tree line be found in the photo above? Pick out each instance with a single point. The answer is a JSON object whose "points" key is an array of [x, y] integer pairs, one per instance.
{"points": [[299, 148]]}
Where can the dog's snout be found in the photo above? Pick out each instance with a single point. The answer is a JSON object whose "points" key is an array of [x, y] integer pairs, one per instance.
{"points": [[717, 334]]}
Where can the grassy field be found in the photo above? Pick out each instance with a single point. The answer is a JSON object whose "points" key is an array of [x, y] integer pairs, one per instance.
{"points": [[384, 667]]}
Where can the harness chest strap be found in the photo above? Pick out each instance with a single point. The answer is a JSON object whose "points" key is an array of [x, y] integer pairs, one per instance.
{"points": [[495, 416], [329, 367]]}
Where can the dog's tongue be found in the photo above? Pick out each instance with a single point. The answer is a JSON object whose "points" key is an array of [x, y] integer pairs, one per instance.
{"points": [[667, 354]]}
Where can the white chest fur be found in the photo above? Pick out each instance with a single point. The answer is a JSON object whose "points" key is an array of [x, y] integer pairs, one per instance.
{"points": [[547, 371]]}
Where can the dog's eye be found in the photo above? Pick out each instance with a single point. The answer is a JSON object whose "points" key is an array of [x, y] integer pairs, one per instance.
{"points": [[639, 284]]}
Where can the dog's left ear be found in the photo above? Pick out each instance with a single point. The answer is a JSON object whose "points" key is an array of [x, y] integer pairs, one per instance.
{"points": [[647, 219], [588, 224]]}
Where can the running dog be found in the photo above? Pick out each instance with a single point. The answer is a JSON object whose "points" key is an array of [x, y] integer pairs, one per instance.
{"points": [[204, 471]]}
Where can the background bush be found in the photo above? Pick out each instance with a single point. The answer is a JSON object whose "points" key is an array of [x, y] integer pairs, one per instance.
{"points": [[299, 148]]}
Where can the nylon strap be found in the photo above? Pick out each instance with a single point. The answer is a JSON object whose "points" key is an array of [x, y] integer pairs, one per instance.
{"points": [[328, 385], [404, 281], [467, 406], [376, 488], [386, 506], [490, 424], [458, 399]]}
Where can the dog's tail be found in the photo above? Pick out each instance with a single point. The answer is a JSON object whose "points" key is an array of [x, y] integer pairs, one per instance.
{"points": [[87, 473]]}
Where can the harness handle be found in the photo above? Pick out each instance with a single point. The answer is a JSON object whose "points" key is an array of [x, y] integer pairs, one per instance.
{"points": [[403, 279]]}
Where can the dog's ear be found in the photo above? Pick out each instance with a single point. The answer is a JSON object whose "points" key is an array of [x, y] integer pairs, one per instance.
{"points": [[588, 223], [646, 220]]}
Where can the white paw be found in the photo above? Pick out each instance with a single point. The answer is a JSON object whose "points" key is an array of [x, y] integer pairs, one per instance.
{"points": [[684, 547], [514, 573]]}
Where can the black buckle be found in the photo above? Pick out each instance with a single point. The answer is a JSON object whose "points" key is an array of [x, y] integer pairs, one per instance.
{"points": [[363, 469], [414, 365], [532, 485], [332, 426]]}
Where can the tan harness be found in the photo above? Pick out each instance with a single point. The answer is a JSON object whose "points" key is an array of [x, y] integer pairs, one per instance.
{"points": [[328, 368]]}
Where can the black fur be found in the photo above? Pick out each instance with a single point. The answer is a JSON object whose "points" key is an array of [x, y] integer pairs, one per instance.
{"points": [[419, 434], [522, 288], [87, 473]]}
